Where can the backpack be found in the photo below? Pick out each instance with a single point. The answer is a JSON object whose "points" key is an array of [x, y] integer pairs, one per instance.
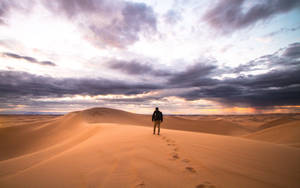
{"points": [[157, 116]]}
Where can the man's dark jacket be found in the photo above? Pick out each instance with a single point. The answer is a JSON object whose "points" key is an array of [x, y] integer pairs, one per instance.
{"points": [[157, 116]]}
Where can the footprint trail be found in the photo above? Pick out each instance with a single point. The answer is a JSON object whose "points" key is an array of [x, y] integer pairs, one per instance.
{"points": [[174, 155]]}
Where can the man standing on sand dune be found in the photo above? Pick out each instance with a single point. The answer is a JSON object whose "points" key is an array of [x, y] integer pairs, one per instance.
{"points": [[157, 117]]}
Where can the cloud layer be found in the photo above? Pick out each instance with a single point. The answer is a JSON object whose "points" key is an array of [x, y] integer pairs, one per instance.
{"points": [[28, 59], [15, 84], [108, 23], [135, 67], [104, 23], [228, 16], [277, 87]]}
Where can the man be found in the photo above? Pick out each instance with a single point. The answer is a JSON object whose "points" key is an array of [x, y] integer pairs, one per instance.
{"points": [[157, 117]]}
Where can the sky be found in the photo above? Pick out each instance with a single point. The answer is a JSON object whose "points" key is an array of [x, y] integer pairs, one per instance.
{"points": [[184, 56]]}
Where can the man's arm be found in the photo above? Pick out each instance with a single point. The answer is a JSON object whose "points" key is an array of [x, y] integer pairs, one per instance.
{"points": [[153, 116], [161, 117]]}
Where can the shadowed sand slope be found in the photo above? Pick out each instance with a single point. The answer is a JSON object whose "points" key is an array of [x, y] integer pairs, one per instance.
{"points": [[21, 139], [285, 133], [279, 121], [95, 148]]}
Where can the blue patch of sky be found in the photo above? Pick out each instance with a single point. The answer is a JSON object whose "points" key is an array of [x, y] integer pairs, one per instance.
{"points": [[281, 39]]}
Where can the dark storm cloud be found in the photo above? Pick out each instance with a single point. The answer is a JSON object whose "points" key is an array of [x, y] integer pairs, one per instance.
{"points": [[233, 95], [124, 21], [198, 74], [273, 79], [16, 84], [271, 89], [283, 58], [134, 67], [230, 15], [28, 58], [279, 86], [293, 51]]}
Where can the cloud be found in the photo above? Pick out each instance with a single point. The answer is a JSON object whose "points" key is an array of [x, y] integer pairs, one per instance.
{"points": [[228, 16], [275, 79], [47, 63], [4, 8], [281, 59], [278, 86], [193, 75], [134, 67], [172, 16], [270, 89], [74, 7], [293, 51], [104, 23], [16, 84], [198, 74], [108, 23], [282, 30], [28, 59], [7, 6]]}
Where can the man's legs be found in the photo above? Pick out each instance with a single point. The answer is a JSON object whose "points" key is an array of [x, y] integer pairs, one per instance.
{"points": [[154, 127], [158, 124]]}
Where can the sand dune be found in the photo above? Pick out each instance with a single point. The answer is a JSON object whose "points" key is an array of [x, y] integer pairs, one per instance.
{"points": [[110, 148], [285, 133], [16, 120], [214, 126], [279, 121]]}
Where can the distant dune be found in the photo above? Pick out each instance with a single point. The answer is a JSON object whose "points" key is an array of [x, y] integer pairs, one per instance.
{"points": [[107, 115], [104, 147], [285, 133], [280, 121]]}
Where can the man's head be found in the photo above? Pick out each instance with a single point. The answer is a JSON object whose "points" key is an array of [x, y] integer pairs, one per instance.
{"points": [[156, 108]]}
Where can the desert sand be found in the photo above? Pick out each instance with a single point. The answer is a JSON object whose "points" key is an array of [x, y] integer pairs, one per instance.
{"points": [[103, 147]]}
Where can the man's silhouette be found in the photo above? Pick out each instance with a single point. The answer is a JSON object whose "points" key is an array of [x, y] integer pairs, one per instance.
{"points": [[157, 118]]}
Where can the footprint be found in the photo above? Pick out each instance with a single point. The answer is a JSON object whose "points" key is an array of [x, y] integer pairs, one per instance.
{"points": [[205, 185], [175, 156], [185, 160], [191, 169], [175, 149], [142, 184]]}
